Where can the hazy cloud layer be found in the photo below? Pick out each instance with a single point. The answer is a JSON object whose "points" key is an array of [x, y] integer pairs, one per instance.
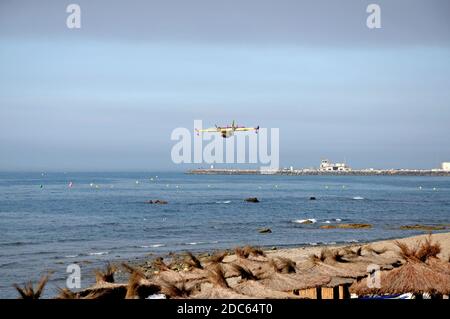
{"points": [[107, 96]]}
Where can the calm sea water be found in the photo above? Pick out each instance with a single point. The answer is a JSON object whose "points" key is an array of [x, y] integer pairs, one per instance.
{"points": [[47, 225]]}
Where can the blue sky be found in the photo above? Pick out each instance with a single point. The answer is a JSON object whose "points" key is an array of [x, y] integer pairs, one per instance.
{"points": [[107, 96]]}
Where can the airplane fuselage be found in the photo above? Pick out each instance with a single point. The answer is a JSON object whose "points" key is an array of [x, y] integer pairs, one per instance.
{"points": [[227, 133]]}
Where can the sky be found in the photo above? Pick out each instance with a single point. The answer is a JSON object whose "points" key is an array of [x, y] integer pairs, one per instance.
{"points": [[107, 96]]}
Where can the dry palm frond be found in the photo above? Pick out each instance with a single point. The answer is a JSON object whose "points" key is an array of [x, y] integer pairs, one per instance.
{"points": [[65, 293], [244, 272], [106, 275], [136, 275], [133, 270], [428, 249], [283, 265], [337, 256], [178, 290], [323, 255], [133, 285], [218, 257], [253, 251], [28, 292], [216, 276], [193, 261], [358, 251], [159, 264], [108, 292], [421, 252], [406, 252], [240, 252]]}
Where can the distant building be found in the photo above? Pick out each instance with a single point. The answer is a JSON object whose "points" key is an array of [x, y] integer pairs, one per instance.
{"points": [[327, 166], [446, 166]]}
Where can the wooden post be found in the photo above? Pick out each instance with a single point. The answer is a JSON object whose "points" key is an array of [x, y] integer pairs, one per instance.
{"points": [[310, 293]]}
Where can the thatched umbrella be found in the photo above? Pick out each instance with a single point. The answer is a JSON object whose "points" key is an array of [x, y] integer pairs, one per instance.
{"points": [[439, 265], [102, 290], [260, 268], [256, 289], [296, 281], [413, 277], [210, 291], [342, 270]]}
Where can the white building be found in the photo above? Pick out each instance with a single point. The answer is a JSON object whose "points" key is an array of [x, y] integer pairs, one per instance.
{"points": [[327, 166], [446, 166]]}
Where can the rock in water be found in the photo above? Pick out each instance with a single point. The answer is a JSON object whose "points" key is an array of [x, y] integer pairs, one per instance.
{"points": [[157, 201], [423, 227], [252, 200], [347, 226], [265, 230]]}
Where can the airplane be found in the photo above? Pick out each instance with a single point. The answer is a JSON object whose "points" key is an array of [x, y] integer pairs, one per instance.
{"points": [[228, 131]]}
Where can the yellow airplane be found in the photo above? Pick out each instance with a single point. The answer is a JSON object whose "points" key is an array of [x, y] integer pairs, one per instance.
{"points": [[227, 131]]}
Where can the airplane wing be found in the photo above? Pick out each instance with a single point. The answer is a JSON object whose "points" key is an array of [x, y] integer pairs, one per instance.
{"points": [[213, 129], [243, 129]]}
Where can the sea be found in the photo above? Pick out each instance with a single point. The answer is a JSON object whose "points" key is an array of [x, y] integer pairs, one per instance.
{"points": [[49, 221]]}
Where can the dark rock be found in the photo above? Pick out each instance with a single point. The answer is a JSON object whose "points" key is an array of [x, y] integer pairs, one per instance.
{"points": [[423, 227], [347, 226], [157, 201], [252, 200]]}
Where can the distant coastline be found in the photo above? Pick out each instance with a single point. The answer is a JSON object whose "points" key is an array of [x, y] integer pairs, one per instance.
{"points": [[312, 172]]}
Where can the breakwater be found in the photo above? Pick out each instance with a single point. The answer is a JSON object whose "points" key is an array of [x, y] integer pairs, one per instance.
{"points": [[311, 172]]}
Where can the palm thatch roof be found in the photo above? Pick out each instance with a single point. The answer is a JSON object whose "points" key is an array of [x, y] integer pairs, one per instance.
{"points": [[290, 282], [347, 270], [210, 291], [439, 265], [412, 277], [257, 289], [103, 290]]}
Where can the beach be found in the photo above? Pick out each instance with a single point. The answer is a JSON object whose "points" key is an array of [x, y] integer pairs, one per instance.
{"points": [[249, 272]]}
